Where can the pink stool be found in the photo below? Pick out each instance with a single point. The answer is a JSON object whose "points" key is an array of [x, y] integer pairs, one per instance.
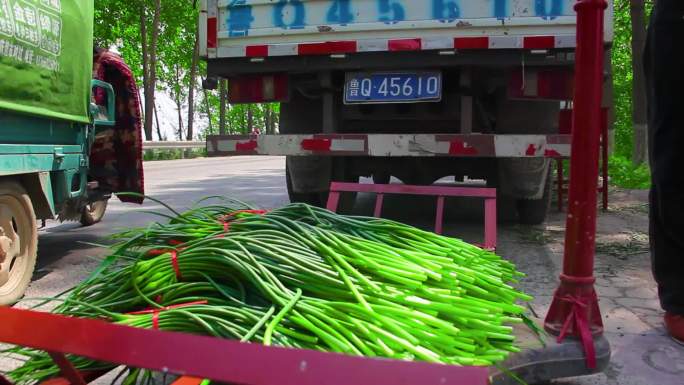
{"points": [[441, 192]]}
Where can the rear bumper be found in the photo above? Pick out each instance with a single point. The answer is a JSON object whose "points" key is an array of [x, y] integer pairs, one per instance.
{"points": [[389, 145]]}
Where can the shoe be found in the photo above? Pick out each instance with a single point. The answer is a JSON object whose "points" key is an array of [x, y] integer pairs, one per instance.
{"points": [[674, 323]]}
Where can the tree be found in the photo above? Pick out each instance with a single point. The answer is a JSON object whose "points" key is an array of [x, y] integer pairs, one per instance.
{"points": [[639, 113], [191, 90], [160, 43], [624, 80], [223, 92], [149, 60], [250, 119]]}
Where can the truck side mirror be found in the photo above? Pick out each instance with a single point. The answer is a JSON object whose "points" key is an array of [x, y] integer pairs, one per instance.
{"points": [[103, 115]]}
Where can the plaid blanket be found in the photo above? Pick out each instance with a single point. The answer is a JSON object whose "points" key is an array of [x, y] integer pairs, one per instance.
{"points": [[116, 156]]}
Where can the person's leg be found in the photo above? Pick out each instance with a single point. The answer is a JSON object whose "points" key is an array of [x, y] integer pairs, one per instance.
{"points": [[664, 64]]}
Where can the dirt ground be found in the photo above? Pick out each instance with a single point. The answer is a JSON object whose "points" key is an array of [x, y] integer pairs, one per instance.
{"points": [[642, 353]]}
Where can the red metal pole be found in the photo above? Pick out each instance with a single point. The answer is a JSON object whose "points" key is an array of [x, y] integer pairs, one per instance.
{"points": [[574, 310]]}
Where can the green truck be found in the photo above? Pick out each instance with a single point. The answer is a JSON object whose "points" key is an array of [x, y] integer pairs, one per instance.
{"points": [[48, 124]]}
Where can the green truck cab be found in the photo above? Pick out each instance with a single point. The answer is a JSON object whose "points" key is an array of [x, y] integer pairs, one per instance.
{"points": [[48, 123]]}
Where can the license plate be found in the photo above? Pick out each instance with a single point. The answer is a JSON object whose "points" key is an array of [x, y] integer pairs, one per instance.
{"points": [[393, 87]]}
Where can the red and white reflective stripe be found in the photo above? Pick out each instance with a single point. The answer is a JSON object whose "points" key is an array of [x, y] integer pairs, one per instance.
{"points": [[212, 25], [384, 145], [408, 44]]}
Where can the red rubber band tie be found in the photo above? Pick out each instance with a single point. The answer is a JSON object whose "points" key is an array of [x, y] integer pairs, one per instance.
{"points": [[155, 312], [256, 212], [155, 320], [176, 267], [158, 252]]}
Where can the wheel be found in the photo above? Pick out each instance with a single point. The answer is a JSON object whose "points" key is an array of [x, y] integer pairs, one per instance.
{"points": [[18, 242], [522, 178], [93, 212], [533, 211]]}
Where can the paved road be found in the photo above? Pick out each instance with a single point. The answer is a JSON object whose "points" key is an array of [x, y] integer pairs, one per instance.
{"points": [[641, 353], [65, 255]]}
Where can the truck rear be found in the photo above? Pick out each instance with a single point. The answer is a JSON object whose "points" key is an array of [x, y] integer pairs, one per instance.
{"points": [[418, 90]]}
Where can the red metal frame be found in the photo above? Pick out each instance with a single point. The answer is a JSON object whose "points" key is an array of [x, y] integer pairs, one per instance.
{"points": [[441, 192], [574, 310], [68, 371], [218, 359]]}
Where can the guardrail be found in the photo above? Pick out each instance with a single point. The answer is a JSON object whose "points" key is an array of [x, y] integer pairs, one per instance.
{"points": [[173, 145]]}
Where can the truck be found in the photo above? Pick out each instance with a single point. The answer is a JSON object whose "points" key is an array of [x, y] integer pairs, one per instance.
{"points": [[48, 128], [416, 90]]}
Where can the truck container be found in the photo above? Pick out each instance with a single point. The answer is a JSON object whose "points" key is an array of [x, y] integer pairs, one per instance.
{"points": [[417, 90]]}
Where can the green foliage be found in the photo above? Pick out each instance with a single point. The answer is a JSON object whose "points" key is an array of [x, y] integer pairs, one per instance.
{"points": [[623, 77], [174, 153], [625, 175], [118, 23]]}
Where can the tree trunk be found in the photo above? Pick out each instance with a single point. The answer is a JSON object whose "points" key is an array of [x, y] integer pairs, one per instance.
{"points": [[639, 109], [271, 119], [191, 91], [267, 118], [149, 102], [180, 118], [179, 105], [156, 117], [250, 119], [208, 107], [152, 68], [222, 106]]}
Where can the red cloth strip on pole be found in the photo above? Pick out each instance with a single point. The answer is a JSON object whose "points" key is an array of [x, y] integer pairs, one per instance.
{"points": [[155, 312], [578, 317]]}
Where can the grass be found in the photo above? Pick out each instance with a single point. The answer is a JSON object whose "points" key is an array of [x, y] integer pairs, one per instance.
{"points": [[625, 175], [638, 209], [636, 243], [533, 235], [174, 153]]}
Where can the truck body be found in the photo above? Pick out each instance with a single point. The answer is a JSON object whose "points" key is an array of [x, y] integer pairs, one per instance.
{"points": [[418, 90], [48, 124]]}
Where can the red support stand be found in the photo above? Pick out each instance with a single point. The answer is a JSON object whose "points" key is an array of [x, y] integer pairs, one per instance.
{"points": [[67, 369], [574, 310], [441, 192]]}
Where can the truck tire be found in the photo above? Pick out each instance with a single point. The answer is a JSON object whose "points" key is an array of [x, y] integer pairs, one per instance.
{"points": [[312, 174], [534, 211], [526, 180], [18, 241], [93, 212]]}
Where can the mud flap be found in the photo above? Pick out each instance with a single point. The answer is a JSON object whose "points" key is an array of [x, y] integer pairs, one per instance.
{"points": [[309, 173], [523, 178]]}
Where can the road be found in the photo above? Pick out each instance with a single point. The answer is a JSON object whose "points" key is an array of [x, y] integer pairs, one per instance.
{"points": [[641, 353], [66, 253]]}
